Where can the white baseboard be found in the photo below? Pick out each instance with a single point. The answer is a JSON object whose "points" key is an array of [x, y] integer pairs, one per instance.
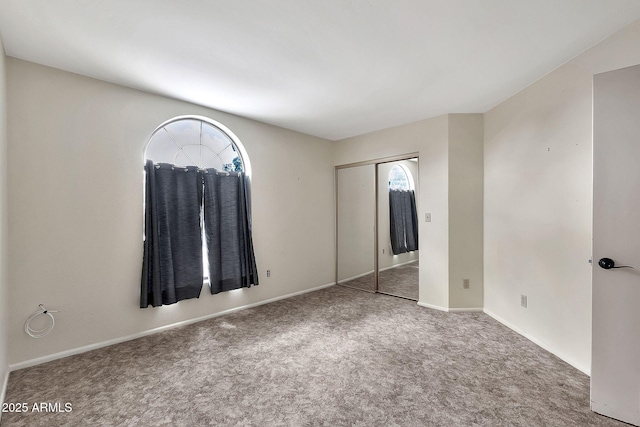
{"points": [[452, 310], [586, 371], [467, 310], [90, 347], [435, 307]]}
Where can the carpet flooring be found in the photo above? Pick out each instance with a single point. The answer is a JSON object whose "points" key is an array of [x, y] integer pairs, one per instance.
{"points": [[334, 357]]}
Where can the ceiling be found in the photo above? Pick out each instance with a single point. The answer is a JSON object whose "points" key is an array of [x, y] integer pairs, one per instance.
{"points": [[330, 68]]}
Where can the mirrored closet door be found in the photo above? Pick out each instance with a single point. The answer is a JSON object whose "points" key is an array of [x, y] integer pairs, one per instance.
{"points": [[377, 226], [398, 228], [355, 190]]}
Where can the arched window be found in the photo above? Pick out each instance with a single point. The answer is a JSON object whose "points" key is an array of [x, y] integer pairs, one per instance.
{"points": [[400, 178], [197, 141], [197, 212], [402, 211]]}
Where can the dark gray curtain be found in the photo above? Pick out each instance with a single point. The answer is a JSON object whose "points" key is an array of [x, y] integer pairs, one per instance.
{"points": [[227, 224], [403, 221], [172, 264]]}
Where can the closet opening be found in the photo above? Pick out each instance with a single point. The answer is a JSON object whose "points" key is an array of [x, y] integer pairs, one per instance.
{"points": [[377, 236]]}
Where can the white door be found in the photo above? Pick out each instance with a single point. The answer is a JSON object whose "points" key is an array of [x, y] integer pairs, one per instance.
{"points": [[615, 368]]}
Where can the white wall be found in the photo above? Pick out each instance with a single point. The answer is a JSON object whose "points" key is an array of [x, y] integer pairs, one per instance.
{"points": [[538, 202], [465, 210], [429, 139], [75, 154], [4, 370]]}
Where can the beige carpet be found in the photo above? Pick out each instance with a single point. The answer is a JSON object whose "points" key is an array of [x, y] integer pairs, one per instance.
{"points": [[335, 357]]}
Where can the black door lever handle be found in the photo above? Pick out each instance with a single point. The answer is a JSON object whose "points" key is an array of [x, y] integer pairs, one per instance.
{"points": [[608, 263]]}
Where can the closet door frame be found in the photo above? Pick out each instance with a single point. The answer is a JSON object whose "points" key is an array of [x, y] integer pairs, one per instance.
{"points": [[376, 163]]}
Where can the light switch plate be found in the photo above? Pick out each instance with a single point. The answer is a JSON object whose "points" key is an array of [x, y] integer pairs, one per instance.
{"points": [[427, 217]]}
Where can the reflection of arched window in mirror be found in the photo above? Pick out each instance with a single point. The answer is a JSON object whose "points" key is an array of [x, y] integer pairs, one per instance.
{"points": [[400, 178], [402, 211]]}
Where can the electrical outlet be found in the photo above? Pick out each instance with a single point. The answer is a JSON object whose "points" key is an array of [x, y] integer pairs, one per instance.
{"points": [[465, 284], [268, 273], [523, 301]]}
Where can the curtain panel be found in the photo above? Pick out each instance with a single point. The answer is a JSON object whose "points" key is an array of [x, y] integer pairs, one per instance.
{"points": [[180, 201], [403, 221], [172, 262], [227, 225]]}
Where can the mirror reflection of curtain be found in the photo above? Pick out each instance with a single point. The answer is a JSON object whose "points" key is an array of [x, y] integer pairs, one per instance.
{"points": [[403, 221]]}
